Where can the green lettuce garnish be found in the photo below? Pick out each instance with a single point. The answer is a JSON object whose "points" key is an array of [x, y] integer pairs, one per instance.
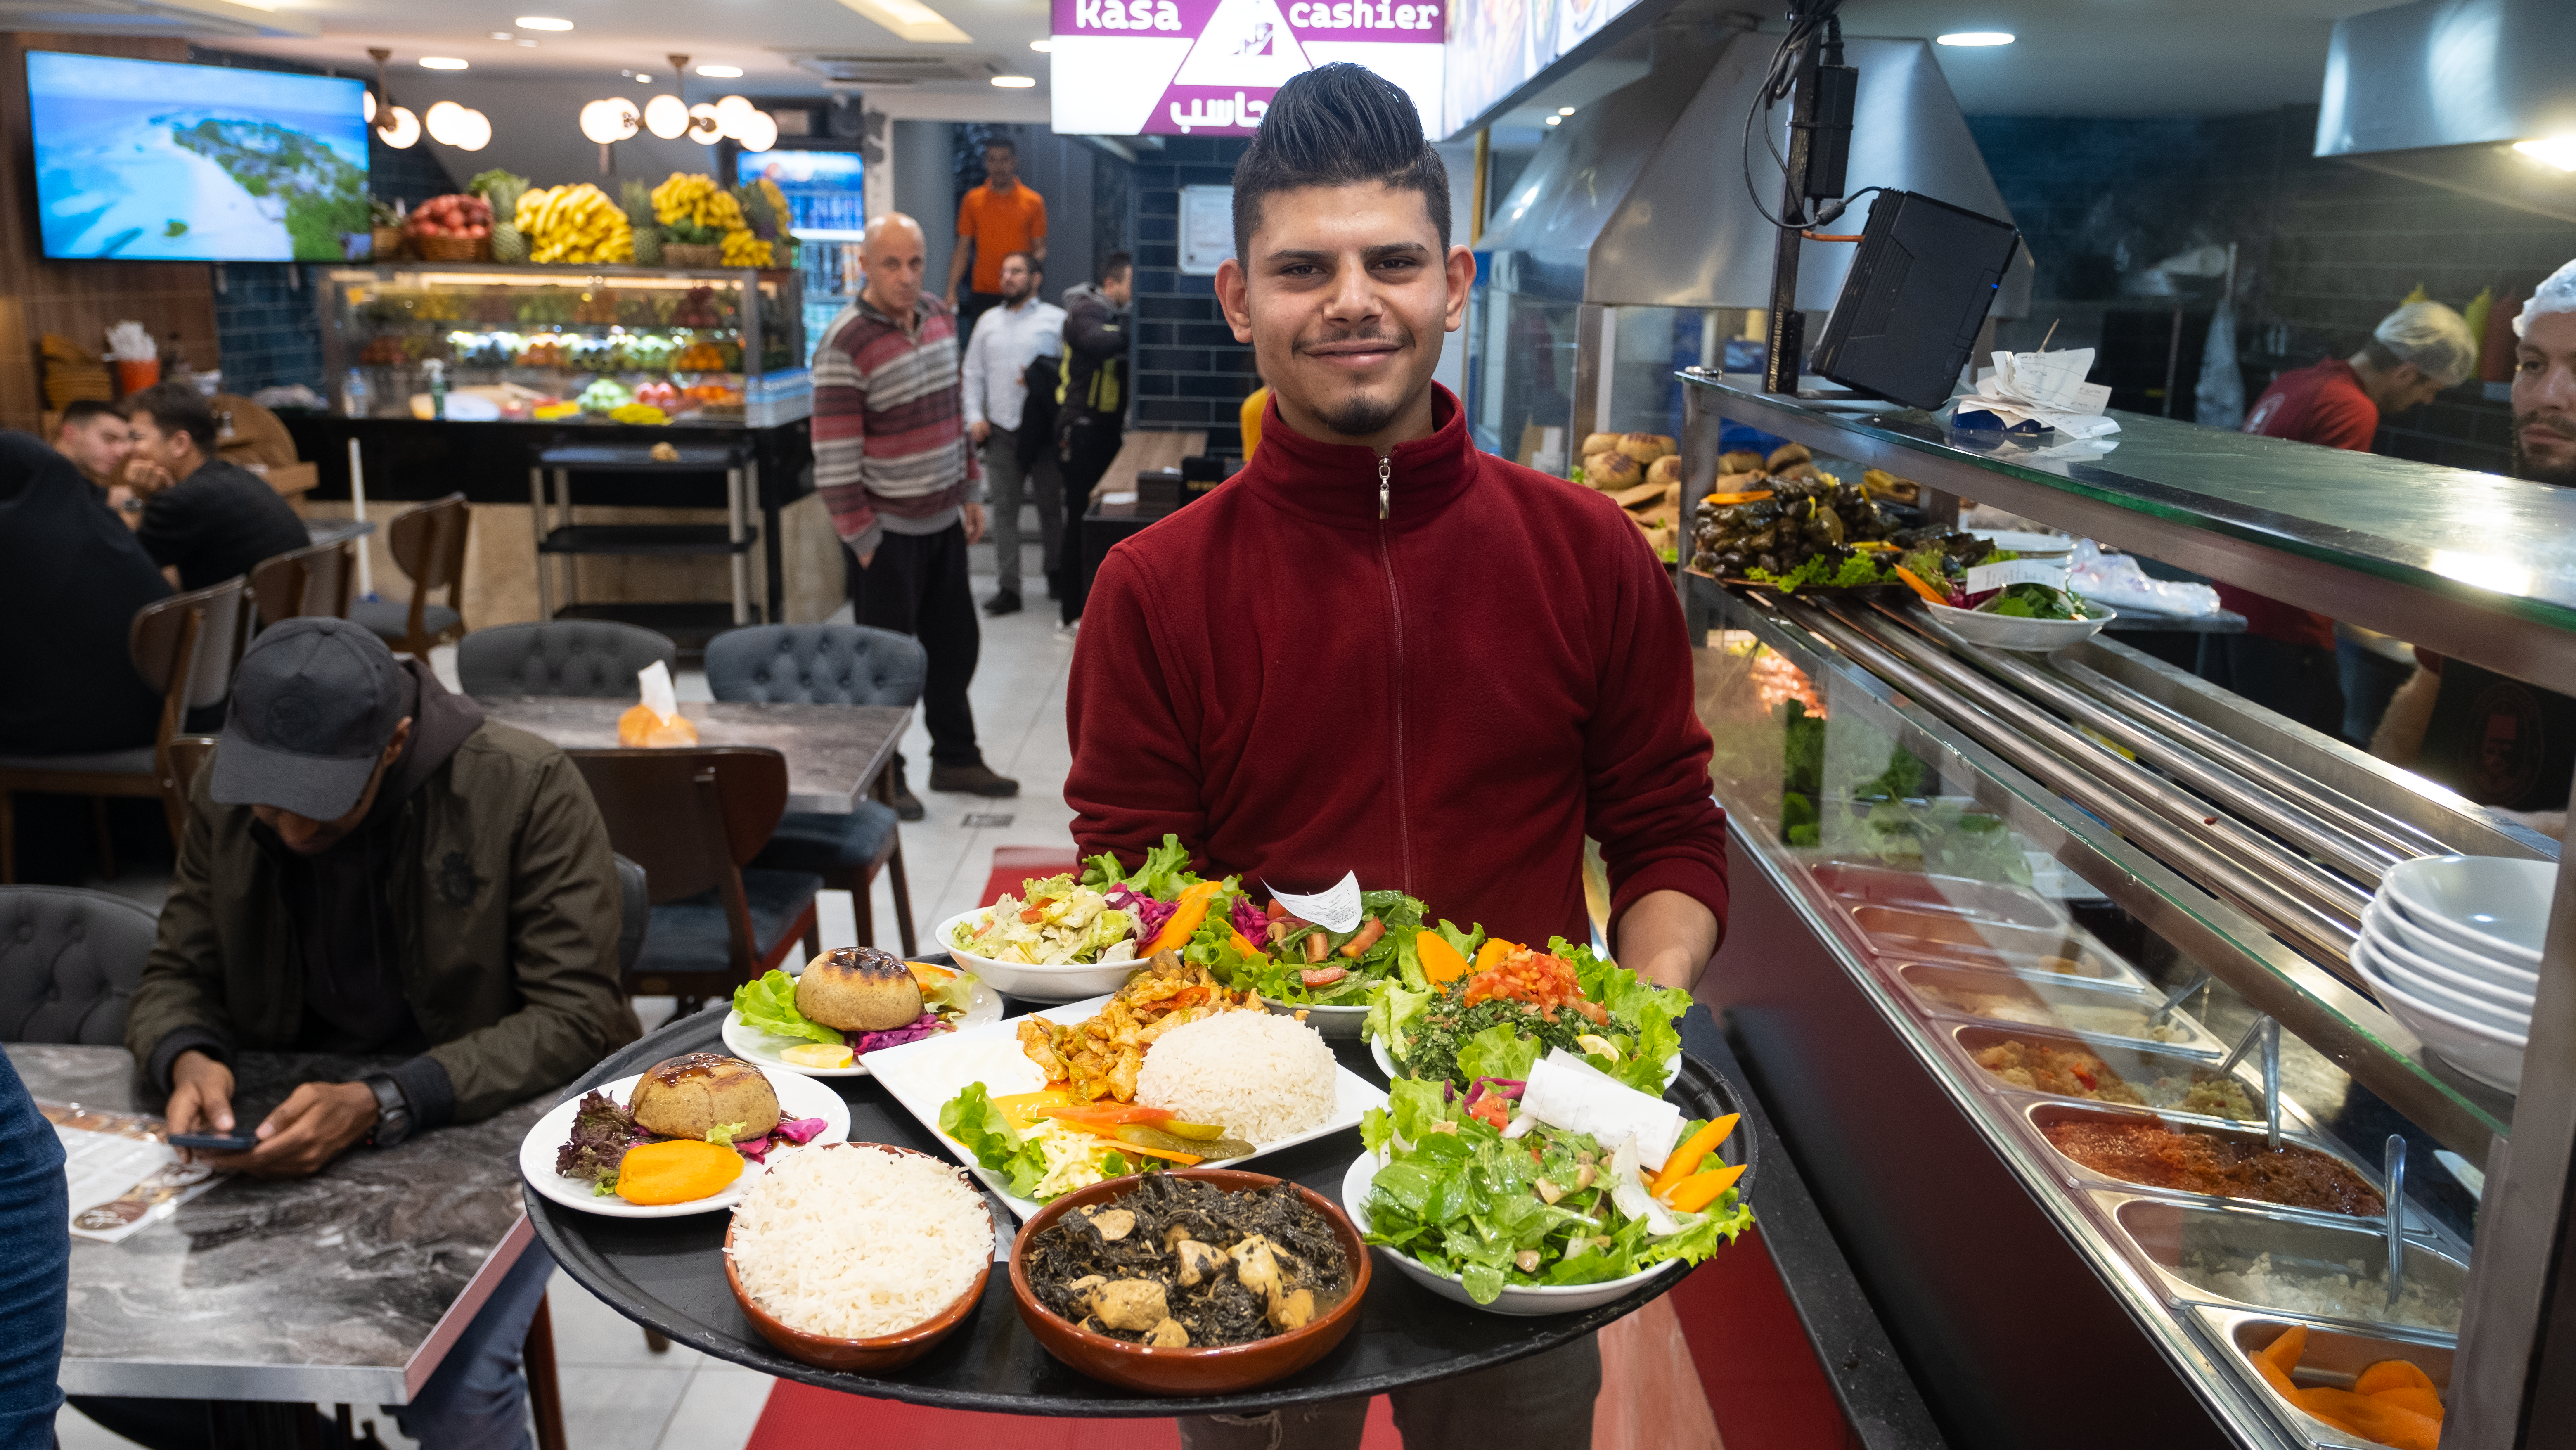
{"points": [[726, 1133], [981, 1129], [1165, 871], [769, 1005]]}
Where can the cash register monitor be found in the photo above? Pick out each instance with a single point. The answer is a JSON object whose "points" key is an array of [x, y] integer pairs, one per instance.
{"points": [[1915, 297]]}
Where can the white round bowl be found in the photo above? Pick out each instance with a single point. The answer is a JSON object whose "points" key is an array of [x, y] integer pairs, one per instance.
{"points": [[2491, 905], [1334, 1024], [2004, 631], [2432, 992], [1032, 983], [2396, 926], [1515, 1300], [2407, 965], [2490, 1055]]}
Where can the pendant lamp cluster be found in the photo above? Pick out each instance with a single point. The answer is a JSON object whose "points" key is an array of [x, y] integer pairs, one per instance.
{"points": [[670, 117], [446, 122]]}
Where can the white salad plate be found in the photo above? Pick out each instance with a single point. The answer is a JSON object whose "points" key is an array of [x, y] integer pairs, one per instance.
{"points": [[1516, 1300], [798, 1097], [1034, 983], [1386, 1064], [1334, 1024], [2388, 923], [2493, 906], [2408, 966], [925, 1076], [2004, 631], [753, 1045], [2489, 1054]]}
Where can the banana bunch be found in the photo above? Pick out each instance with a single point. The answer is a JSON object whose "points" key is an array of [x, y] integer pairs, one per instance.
{"points": [[693, 199], [742, 249], [574, 224]]}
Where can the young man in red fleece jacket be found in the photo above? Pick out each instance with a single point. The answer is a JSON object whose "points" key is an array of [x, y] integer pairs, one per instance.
{"points": [[1378, 650]]}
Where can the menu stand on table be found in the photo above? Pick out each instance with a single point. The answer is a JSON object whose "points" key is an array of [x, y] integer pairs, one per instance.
{"points": [[689, 625]]}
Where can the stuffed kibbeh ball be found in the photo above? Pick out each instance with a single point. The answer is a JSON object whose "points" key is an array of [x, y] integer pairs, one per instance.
{"points": [[692, 1095], [859, 989]]}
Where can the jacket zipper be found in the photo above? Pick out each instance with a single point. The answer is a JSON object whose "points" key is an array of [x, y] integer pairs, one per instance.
{"points": [[1395, 615]]}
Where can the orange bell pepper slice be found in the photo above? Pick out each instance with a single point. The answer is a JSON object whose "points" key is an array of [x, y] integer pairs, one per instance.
{"points": [[1441, 963], [1915, 582]]}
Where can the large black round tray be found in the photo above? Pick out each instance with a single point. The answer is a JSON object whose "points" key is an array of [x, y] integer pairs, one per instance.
{"points": [[668, 1275]]}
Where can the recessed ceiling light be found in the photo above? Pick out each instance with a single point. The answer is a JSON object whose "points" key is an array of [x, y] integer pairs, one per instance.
{"points": [[503, 35], [2558, 151], [541, 22], [641, 76], [525, 41], [1976, 37], [1555, 120], [441, 62], [910, 19], [1565, 110], [1015, 83], [1042, 47], [720, 72]]}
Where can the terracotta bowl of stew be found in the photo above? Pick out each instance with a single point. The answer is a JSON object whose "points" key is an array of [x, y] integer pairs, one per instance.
{"points": [[1226, 1370]]}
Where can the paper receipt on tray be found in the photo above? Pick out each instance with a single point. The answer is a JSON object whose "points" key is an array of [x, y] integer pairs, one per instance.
{"points": [[1335, 909]]}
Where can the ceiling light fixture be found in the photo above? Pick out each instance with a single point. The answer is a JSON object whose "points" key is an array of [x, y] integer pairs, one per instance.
{"points": [[523, 40], [1976, 37], [1565, 110], [541, 22], [2558, 151], [644, 78], [720, 72], [760, 133], [910, 19], [1015, 83], [462, 127], [613, 119], [441, 62], [367, 107], [395, 126], [1555, 120], [1043, 47], [503, 35], [704, 128], [733, 113], [667, 117]]}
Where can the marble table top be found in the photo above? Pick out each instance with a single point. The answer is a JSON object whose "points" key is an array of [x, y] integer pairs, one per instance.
{"points": [[346, 1287], [833, 751]]}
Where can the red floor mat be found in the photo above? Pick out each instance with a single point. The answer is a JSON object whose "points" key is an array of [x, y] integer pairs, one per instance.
{"points": [[801, 1417], [1013, 865]]}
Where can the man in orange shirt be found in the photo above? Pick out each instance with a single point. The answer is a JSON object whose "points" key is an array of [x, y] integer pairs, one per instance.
{"points": [[996, 219]]}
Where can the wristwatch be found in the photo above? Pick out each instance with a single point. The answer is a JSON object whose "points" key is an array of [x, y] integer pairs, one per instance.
{"points": [[393, 1112]]}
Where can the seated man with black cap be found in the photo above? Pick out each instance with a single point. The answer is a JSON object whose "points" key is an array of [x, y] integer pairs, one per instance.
{"points": [[371, 868]]}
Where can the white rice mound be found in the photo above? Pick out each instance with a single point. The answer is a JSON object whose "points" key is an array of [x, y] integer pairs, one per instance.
{"points": [[851, 1242], [1262, 1076]]}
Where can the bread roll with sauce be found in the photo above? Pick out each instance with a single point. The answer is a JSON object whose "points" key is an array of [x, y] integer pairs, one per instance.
{"points": [[859, 989], [692, 1095]]}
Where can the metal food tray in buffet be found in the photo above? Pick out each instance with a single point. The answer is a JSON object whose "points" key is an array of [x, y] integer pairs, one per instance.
{"points": [[669, 1276]]}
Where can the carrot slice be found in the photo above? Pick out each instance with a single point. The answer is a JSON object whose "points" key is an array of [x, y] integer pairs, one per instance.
{"points": [[1096, 1116], [1915, 582], [2391, 1374], [1494, 951], [1723, 500], [1700, 1190], [2373, 1419], [2407, 1397], [2286, 1351], [676, 1170], [1686, 1159], [2273, 1376], [1441, 963]]}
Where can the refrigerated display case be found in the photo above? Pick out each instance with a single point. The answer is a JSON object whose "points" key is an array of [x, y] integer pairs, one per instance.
{"points": [[2036, 958], [718, 347]]}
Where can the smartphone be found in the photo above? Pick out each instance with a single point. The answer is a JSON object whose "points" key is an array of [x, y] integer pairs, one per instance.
{"points": [[215, 1142]]}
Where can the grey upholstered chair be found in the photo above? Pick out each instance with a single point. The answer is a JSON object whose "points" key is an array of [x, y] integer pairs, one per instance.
{"points": [[830, 664], [69, 962], [597, 658]]}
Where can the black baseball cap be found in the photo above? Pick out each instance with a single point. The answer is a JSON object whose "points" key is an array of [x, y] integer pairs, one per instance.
{"points": [[315, 702]]}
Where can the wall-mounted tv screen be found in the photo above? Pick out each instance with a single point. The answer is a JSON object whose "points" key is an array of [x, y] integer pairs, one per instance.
{"points": [[146, 160]]}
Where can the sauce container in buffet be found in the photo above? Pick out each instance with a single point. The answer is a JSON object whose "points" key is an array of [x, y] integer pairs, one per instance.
{"points": [[2171, 1083], [2252, 1259], [2296, 1132], [2334, 1356], [1853, 883], [2041, 953], [2101, 1012]]}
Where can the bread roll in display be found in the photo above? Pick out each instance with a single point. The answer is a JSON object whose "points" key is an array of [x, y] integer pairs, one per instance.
{"points": [[1739, 460], [1787, 454], [1598, 443], [1612, 470], [1645, 447], [1667, 469]]}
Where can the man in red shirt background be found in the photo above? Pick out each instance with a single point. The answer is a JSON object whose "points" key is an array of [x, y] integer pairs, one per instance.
{"points": [[1376, 649], [2285, 660]]}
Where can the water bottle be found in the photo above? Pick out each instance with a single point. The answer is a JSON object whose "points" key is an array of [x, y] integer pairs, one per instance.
{"points": [[353, 396]]}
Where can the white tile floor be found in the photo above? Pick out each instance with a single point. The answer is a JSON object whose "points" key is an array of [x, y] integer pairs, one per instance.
{"points": [[617, 1394]]}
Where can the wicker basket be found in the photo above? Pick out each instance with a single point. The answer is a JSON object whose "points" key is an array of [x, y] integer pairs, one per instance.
{"points": [[387, 243], [453, 249], [685, 254]]}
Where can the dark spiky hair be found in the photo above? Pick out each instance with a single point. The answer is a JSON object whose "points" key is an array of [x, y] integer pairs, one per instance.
{"points": [[1338, 125]]}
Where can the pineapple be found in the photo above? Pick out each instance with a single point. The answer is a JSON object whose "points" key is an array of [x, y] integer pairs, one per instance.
{"points": [[648, 246], [509, 244]]}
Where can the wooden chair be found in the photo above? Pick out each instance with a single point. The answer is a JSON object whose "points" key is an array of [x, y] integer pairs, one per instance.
{"points": [[188, 755], [308, 581], [428, 544], [183, 646], [693, 818], [831, 664]]}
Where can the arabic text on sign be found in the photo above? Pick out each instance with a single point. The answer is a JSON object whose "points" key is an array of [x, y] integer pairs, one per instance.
{"points": [[1216, 113]]}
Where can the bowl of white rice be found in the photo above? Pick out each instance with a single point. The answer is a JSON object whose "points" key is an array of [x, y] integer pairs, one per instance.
{"points": [[858, 1256], [1262, 1077]]}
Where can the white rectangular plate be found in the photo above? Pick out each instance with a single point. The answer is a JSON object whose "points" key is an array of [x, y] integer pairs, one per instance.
{"points": [[925, 1075]]}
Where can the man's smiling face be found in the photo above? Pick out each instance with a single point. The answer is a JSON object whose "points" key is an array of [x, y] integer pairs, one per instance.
{"points": [[1343, 294], [2544, 398]]}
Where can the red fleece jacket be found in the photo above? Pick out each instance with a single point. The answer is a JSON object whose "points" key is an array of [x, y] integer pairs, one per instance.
{"points": [[1446, 700]]}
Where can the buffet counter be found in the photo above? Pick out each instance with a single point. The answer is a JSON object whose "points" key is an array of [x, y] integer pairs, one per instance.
{"points": [[2015, 936]]}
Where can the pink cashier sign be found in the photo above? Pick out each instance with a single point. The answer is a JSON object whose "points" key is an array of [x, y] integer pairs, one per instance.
{"points": [[1209, 67]]}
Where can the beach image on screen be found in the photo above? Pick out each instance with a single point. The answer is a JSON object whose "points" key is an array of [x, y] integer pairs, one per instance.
{"points": [[145, 160]]}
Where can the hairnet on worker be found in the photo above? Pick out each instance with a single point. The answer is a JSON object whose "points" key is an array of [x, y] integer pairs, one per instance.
{"points": [[2558, 294], [2432, 337]]}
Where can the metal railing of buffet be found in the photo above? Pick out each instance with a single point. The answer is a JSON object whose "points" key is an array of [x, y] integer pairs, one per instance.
{"points": [[2263, 840]]}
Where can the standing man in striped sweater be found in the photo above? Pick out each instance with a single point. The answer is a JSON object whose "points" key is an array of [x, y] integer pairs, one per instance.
{"points": [[891, 461]]}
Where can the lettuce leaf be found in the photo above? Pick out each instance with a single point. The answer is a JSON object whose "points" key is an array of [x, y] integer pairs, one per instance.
{"points": [[1165, 871], [1644, 1013], [769, 1005], [981, 1129], [1498, 1051], [1390, 1008], [956, 993]]}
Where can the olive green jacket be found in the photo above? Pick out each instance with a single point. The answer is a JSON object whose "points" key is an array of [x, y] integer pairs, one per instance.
{"points": [[511, 913]]}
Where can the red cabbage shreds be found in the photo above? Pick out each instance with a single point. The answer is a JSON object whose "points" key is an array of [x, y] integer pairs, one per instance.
{"points": [[602, 1131], [755, 1149], [913, 1031], [1150, 916], [800, 1130], [1251, 920]]}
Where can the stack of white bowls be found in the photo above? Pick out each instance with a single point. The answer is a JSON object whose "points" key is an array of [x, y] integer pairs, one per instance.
{"points": [[2452, 944]]}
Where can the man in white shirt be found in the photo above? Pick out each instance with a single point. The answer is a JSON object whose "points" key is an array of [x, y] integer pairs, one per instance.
{"points": [[1006, 340]]}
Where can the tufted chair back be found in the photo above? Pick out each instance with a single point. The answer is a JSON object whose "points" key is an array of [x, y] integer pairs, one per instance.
{"points": [[816, 664], [69, 962], [593, 658]]}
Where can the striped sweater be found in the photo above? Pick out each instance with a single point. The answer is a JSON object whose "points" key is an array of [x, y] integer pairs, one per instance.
{"points": [[890, 452]]}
